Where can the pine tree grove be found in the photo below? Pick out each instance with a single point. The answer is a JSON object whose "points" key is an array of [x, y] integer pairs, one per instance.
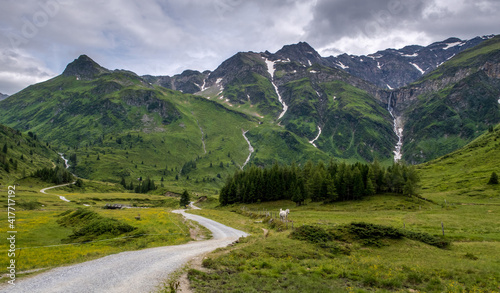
{"points": [[335, 182]]}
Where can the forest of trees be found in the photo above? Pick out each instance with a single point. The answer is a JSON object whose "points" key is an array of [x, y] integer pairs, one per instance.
{"points": [[57, 175], [144, 186], [335, 182]]}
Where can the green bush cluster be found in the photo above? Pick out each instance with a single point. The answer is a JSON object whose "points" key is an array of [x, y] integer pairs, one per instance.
{"points": [[366, 233], [89, 225]]}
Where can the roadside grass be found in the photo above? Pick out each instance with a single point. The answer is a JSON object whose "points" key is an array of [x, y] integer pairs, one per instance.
{"points": [[278, 263]]}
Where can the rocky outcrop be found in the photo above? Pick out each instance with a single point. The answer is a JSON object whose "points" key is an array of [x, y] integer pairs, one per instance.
{"points": [[84, 68], [189, 81]]}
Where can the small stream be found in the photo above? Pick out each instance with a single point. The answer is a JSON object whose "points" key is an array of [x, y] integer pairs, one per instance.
{"points": [[65, 160], [316, 138]]}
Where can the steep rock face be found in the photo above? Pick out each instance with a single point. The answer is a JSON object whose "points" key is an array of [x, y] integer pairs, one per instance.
{"points": [[84, 68], [301, 53], [189, 81], [393, 68], [164, 81], [237, 67]]}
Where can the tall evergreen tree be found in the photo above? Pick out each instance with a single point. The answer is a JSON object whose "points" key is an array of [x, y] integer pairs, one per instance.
{"points": [[358, 185], [184, 201], [493, 178]]}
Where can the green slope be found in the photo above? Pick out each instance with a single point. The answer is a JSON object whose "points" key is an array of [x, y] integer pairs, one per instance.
{"points": [[22, 154], [355, 125], [463, 174], [113, 124]]}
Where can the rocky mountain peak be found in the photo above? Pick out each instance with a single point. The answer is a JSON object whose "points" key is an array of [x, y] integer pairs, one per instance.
{"points": [[84, 68], [301, 52]]}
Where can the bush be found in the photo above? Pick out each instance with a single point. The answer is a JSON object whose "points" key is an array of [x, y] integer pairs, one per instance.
{"points": [[29, 205], [373, 231], [367, 234], [90, 225], [493, 178], [312, 234]]}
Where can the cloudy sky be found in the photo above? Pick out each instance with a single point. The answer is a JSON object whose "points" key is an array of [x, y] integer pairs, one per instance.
{"points": [[164, 37]]}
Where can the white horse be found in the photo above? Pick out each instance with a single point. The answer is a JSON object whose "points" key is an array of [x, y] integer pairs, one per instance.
{"points": [[284, 214]]}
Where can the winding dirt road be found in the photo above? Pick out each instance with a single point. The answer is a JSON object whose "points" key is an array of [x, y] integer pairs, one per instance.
{"points": [[60, 196], [132, 271]]}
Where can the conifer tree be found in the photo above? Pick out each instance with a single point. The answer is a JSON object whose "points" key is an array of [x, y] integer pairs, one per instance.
{"points": [[493, 178], [184, 201], [358, 186]]}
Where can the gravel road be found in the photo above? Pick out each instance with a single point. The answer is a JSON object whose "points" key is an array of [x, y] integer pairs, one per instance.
{"points": [[132, 271], [61, 197]]}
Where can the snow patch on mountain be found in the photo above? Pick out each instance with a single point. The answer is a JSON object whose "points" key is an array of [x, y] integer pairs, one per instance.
{"points": [[270, 68], [451, 45], [341, 65], [411, 56], [418, 68]]}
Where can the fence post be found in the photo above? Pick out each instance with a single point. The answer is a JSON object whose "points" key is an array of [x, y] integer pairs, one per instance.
{"points": [[442, 227]]}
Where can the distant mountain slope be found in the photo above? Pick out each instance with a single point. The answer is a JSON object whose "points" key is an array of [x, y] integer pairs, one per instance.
{"points": [[291, 105], [463, 174], [451, 105], [3, 97], [394, 68], [115, 124], [22, 154], [189, 81]]}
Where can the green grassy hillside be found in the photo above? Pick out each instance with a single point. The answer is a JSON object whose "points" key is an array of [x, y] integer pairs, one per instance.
{"points": [[462, 175], [113, 125], [22, 154]]}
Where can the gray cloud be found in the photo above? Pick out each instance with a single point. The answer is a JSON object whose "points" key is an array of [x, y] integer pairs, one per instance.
{"points": [[363, 27]]}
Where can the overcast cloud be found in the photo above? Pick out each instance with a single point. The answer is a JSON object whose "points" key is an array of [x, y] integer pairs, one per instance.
{"points": [[164, 37]]}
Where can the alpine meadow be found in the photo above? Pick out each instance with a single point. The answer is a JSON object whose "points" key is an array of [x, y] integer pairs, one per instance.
{"points": [[369, 173]]}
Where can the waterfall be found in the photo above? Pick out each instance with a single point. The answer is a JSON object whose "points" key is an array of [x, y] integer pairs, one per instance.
{"points": [[398, 129]]}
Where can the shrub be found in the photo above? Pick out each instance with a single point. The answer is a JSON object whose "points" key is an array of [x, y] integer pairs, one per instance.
{"points": [[493, 178], [312, 234], [29, 205], [373, 231], [90, 225]]}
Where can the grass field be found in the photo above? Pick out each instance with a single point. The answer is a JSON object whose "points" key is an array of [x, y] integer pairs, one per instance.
{"points": [[277, 263], [42, 242]]}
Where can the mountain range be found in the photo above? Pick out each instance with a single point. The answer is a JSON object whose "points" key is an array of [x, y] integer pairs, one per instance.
{"points": [[3, 96], [416, 103]]}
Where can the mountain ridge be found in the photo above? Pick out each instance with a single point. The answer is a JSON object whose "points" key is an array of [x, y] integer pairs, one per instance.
{"points": [[288, 106]]}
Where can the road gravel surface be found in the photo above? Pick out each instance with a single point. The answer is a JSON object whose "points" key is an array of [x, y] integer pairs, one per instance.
{"points": [[131, 271]]}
